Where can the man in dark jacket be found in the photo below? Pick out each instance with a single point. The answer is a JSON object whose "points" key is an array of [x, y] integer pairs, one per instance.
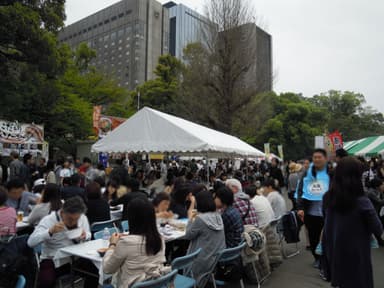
{"points": [[73, 189], [276, 173], [133, 192]]}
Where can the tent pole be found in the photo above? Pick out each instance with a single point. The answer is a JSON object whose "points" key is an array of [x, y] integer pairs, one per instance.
{"points": [[207, 167]]}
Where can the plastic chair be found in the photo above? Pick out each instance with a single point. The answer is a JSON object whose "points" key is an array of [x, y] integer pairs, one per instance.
{"points": [[97, 226], [185, 263], [226, 256], [20, 282], [99, 234], [162, 282], [125, 226]]}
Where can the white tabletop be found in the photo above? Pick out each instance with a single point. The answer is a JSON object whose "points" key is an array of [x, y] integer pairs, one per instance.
{"points": [[22, 225], [87, 250]]}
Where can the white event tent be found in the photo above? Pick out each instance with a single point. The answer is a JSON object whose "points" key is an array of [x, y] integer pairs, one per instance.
{"points": [[152, 131]]}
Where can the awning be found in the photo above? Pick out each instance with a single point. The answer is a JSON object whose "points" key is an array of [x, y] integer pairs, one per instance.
{"points": [[152, 131], [370, 146]]}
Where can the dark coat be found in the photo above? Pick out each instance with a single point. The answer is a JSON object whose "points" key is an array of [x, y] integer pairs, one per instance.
{"points": [[98, 210], [346, 245], [126, 199]]}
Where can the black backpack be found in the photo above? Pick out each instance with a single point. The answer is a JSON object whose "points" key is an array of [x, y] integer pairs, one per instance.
{"points": [[291, 227], [16, 258]]}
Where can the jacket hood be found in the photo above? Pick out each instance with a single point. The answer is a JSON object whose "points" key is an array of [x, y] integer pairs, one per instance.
{"points": [[213, 220]]}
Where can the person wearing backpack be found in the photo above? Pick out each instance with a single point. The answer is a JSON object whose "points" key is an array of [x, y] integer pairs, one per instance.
{"points": [[310, 192]]}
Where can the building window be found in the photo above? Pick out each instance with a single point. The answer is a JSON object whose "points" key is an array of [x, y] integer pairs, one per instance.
{"points": [[106, 21], [106, 37], [121, 15], [113, 18], [113, 35], [120, 33]]}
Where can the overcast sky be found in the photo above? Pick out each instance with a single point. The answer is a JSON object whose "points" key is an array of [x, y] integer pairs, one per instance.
{"points": [[318, 45]]}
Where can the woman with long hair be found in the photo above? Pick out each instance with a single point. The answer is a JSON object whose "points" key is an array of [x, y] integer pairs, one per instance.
{"points": [[50, 201], [140, 255], [350, 221]]}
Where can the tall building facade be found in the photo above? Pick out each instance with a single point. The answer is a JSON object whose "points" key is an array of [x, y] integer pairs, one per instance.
{"points": [[128, 37], [185, 26]]}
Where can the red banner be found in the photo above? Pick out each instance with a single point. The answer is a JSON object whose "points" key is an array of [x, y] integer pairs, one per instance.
{"points": [[103, 124], [334, 141]]}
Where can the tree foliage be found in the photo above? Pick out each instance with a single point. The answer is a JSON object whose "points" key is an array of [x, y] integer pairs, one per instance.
{"points": [[161, 93], [44, 81]]}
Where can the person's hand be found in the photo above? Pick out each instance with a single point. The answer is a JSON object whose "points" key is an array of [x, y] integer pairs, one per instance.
{"points": [[57, 228], [168, 214], [300, 213], [114, 238], [83, 235], [193, 200]]}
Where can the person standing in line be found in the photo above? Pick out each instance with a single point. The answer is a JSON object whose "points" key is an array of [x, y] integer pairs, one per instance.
{"points": [[310, 192], [350, 220]]}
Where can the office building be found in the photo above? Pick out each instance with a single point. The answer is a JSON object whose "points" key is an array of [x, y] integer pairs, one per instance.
{"points": [[128, 37], [185, 26]]}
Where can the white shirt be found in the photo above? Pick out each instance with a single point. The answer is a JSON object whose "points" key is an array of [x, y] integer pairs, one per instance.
{"points": [[50, 245], [278, 203], [264, 211], [65, 172]]}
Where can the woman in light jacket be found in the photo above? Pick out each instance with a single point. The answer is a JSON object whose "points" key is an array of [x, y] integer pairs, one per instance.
{"points": [[140, 256]]}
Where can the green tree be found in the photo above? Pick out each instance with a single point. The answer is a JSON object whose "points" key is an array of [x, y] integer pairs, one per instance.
{"points": [[161, 93], [348, 114], [295, 123]]}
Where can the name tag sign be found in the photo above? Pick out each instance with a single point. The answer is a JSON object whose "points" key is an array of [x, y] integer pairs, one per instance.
{"points": [[317, 188]]}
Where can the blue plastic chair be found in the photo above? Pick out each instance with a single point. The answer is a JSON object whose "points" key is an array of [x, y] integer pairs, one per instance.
{"points": [[20, 282], [97, 226], [125, 226], [162, 282], [185, 263], [99, 234], [226, 256]]}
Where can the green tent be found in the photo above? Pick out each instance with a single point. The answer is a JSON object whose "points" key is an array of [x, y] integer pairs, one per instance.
{"points": [[370, 146]]}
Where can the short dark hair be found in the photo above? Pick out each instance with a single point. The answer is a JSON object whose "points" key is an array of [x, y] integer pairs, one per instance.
{"points": [[251, 191], [67, 181], [3, 195], [87, 160], [321, 151], [205, 202], [225, 195], [74, 205], [133, 184], [270, 183], [341, 153], [93, 191], [180, 193], [100, 180], [375, 183], [75, 179], [15, 184], [160, 197]]}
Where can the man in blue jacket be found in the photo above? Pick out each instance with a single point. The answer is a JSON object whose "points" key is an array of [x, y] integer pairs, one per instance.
{"points": [[310, 192]]}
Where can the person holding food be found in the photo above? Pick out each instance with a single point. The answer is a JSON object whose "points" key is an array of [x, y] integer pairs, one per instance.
{"points": [[62, 228]]}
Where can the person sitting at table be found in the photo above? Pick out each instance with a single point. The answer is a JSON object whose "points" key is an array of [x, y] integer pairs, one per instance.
{"points": [[205, 230], [264, 211], [8, 217], [111, 191], [18, 198], [73, 189], [233, 224], [133, 187], [97, 208], [50, 201], [161, 203], [54, 232], [140, 255], [182, 201]]}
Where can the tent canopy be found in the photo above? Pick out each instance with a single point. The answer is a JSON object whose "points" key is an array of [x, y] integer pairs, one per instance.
{"points": [[152, 131], [370, 146]]}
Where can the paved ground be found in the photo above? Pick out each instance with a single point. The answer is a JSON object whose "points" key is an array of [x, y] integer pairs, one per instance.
{"points": [[297, 272]]}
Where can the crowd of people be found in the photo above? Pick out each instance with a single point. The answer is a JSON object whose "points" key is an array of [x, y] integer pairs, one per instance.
{"points": [[339, 204]]}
